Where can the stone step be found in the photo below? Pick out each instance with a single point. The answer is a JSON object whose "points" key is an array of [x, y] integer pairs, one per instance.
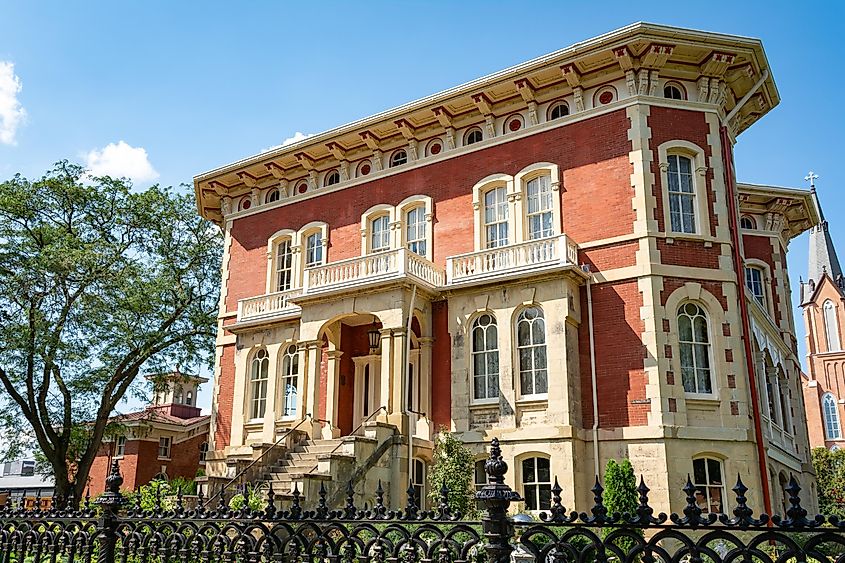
{"points": [[288, 477]]}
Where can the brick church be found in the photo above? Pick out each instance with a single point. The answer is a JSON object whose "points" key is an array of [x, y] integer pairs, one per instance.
{"points": [[558, 255]]}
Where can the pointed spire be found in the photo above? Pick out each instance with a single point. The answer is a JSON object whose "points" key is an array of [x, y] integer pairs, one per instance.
{"points": [[822, 255]]}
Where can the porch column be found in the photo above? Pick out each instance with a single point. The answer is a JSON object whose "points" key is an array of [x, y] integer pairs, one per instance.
{"points": [[310, 352], [424, 384], [272, 405], [397, 379], [332, 374]]}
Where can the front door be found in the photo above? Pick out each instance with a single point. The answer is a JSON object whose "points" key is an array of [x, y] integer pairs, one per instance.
{"points": [[367, 382]]}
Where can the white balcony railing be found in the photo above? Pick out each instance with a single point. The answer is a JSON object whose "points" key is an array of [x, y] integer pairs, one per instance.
{"points": [[494, 262], [372, 268], [270, 305]]}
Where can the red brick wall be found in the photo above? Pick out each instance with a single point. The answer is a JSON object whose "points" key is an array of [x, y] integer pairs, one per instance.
{"points": [[592, 154], [690, 253], [100, 468], [354, 342], [441, 366], [609, 257], [620, 377], [760, 247], [226, 389]]}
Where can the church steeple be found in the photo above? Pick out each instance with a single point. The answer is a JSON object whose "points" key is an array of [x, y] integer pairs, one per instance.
{"points": [[822, 254]]}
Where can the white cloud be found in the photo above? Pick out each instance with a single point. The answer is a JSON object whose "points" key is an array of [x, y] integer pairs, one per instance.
{"points": [[298, 136], [121, 160], [12, 113]]}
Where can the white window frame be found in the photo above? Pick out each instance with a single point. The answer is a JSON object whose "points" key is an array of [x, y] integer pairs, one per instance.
{"points": [[830, 413], [120, 446], [418, 480], [555, 104], [707, 486], [203, 452], [426, 203], [472, 354], [269, 195], [470, 130], [678, 86], [759, 294], [699, 169], [258, 384], [521, 180], [290, 370], [751, 219], [830, 318], [328, 175], [535, 482], [272, 259], [370, 215], [396, 160], [532, 347], [479, 192], [165, 447], [315, 227], [709, 353]]}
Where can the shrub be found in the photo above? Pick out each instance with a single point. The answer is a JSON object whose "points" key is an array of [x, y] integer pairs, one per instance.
{"points": [[453, 465], [620, 495]]}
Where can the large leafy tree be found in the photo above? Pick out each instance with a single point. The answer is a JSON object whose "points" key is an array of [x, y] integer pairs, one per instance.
{"points": [[99, 284]]}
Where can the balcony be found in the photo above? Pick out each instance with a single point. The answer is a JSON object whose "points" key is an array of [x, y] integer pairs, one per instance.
{"points": [[269, 306], [510, 261], [373, 269]]}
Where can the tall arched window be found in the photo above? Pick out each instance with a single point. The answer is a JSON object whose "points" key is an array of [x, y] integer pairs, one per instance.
{"points": [[485, 357], [537, 483], [284, 265], [531, 346], [415, 230], [709, 485], [832, 429], [754, 283], [831, 326], [681, 194], [418, 481], [380, 234], [290, 382], [258, 384], [496, 217], [539, 210], [694, 342]]}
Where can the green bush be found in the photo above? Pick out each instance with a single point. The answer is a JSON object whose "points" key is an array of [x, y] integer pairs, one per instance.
{"points": [[830, 476], [454, 465], [620, 495], [252, 498]]}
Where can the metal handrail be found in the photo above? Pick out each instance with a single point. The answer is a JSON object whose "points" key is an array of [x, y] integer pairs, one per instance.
{"points": [[259, 458], [356, 429]]}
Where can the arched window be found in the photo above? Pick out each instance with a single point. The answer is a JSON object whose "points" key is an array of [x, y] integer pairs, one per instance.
{"points": [[694, 341], [746, 222], [272, 195], [290, 382], [314, 249], [258, 384], [331, 178], [831, 326], [415, 230], [473, 136], [485, 357], [496, 217], [531, 347], [754, 283], [480, 474], [537, 483], [832, 430], [539, 210], [709, 485], [673, 92], [681, 194], [380, 234], [284, 265], [558, 110], [398, 158], [418, 481]]}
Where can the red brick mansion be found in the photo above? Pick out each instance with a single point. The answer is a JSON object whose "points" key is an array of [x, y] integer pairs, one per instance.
{"points": [[558, 255]]}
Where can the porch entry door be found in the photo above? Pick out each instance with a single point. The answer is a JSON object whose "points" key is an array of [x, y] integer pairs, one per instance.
{"points": [[367, 385]]}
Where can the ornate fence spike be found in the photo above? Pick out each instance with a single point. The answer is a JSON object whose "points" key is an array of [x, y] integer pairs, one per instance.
{"points": [[295, 512], [379, 511], [692, 512], [88, 498], [180, 506], [557, 512], [796, 515], [222, 508], [443, 511], [495, 467], [743, 515], [644, 515], [270, 509], [200, 510], [350, 511], [411, 507], [599, 510], [322, 512]]}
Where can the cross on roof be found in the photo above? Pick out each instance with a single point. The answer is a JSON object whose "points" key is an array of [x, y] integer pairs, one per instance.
{"points": [[811, 177]]}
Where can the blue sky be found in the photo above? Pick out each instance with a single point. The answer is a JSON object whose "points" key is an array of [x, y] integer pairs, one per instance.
{"points": [[188, 86]]}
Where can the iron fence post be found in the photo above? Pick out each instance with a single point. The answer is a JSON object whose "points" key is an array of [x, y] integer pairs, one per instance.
{"points": [[109, 502], [496, 497]]}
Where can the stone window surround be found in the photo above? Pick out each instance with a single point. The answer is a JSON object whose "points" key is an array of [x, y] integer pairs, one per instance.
{"points": [[279, 361], [702, 212], [275, 354], [767, 284], [298, 240], [397, 218], [694, 293], [516, 188], [469, 325], [520, 481], [520, 397]]}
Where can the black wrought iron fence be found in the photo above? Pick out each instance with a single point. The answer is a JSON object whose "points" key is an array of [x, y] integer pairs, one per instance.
{"points": [[108, 531]]}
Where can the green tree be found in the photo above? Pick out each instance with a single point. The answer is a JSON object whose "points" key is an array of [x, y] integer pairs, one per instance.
{"points": [[99, 284], [620, 495], [453, 465], [830, 480]]}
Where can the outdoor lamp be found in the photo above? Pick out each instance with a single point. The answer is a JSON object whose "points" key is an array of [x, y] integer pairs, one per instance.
{"points": [[374, 336]]}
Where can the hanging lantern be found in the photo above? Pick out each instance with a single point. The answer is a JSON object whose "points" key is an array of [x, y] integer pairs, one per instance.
{"points": [[374, 337]]}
